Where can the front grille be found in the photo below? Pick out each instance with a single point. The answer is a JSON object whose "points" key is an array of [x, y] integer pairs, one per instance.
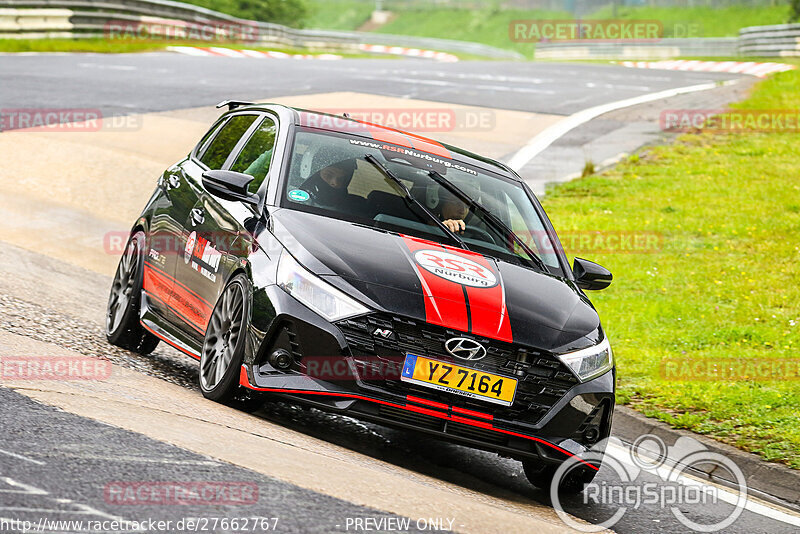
{"points": [[429, 422], [416, 419], [542, 380]]}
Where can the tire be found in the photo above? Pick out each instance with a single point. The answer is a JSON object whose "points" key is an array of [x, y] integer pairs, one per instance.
{"points": [[123, 328], [541, 475], [224, 343]]}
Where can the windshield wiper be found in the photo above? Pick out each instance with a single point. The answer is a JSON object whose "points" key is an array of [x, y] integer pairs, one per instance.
{"points": [[411, 199], [489, 217]]}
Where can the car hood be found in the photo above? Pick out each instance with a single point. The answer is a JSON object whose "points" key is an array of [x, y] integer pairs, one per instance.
{"points": [[441, 285]]}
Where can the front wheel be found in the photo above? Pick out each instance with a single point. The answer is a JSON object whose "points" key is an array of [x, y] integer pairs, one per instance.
{"points": [[223, 346], [573, 481], [123, 328]]}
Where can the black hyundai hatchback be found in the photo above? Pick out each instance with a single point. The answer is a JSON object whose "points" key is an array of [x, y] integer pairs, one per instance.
{"points": [[374, 273]]}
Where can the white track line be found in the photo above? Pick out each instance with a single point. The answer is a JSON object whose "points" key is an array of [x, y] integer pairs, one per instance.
{"points": [[757, 507], [547, 137], [20, 457]]}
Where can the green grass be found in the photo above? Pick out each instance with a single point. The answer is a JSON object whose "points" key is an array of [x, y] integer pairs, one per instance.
{"points": [[701, 21], [724, 283], [78, 45], [338, 14], [114, 46], [488, 26]]}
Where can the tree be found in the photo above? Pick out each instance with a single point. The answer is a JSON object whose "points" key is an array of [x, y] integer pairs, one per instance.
{"points": [[795, 15]]}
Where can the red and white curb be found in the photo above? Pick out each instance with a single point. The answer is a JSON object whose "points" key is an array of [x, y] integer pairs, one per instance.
{"points": [[244, 53], [409, 52], [736, 67]]}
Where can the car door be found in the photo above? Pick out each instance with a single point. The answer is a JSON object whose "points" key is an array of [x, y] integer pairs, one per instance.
{"points": [[222, 238], [165, 229], [196, 259]]}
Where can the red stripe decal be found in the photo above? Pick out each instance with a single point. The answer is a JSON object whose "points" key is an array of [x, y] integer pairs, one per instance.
{"points": [[471, 422], [388, 136], [444, 300], [244, 380], [176, 281], [429, 145], [462, 306], [195, 310], [428, 402], [488, 307], [154, 297], [473, 413]]}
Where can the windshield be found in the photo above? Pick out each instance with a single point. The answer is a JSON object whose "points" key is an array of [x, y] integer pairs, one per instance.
{"points": [[330, 176]]}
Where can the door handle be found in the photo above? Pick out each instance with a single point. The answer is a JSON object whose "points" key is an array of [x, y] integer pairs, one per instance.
{"points": [[197, 217]]}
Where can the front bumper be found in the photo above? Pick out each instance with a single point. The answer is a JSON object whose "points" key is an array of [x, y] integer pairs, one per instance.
{"points": [[553, 417]]}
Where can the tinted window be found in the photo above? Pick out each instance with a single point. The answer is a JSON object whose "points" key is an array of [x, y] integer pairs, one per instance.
{"points": [[257, 154], [331, 175], [219, 149]]}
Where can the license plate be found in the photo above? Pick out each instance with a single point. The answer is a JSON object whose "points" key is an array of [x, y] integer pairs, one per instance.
{"points": [[459, 380]]}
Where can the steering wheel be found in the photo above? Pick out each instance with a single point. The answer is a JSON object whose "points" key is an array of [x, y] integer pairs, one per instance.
{"points": [[476, 233]]}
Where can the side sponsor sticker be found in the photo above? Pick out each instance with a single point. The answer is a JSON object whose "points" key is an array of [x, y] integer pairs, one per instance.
{"points": [[204, 257]]}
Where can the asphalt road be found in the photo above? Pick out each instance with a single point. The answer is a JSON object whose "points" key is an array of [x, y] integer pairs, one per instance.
{"points": [[82, 456], [135, 83], [67, 468], [62, 305]]}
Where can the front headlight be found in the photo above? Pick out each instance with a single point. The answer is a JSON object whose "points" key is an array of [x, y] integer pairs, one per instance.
{"points": [[321, 297], [590, 363]]}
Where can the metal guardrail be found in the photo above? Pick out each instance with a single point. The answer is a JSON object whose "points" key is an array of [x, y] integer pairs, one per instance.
{"points": [[661, 49], [771, 41], [95, 18], [781, 40]]}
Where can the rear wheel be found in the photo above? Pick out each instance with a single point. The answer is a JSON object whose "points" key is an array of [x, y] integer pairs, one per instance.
{"points": [[223, 346], [123, 328]]}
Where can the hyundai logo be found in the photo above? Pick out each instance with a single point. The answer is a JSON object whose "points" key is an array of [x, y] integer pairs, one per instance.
{"points": [[465, 349]]}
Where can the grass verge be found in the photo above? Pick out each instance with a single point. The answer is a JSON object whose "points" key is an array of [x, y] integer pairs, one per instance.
{"points": [[724, 283], [490, 25], [701, 21], [487, 26], [118, 46], [338, 14]]}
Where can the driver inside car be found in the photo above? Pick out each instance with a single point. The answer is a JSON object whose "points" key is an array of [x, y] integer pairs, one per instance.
{"points": [[451, 211], [328, 186]]}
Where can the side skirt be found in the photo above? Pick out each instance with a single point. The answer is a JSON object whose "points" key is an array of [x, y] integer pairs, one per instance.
{"points": [[159, 327]]}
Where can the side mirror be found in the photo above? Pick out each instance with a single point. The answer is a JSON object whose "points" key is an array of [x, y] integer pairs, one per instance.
{"points": [[230, 185], [589, 275]]}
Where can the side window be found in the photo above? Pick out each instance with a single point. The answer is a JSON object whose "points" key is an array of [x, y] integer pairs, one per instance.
{"points": [[257, 154], [536, 238], [217, 152]]}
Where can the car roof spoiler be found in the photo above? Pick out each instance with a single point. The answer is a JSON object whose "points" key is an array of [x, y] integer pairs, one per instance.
{"points": [[233, 104]]}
